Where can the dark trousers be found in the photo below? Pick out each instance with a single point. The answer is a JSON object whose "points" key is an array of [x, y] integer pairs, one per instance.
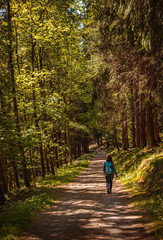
{"points": [[109, 179]]}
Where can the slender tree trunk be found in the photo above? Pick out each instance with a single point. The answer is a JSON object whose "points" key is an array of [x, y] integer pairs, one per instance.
{"points": [[37, 127], [2, 196], [31, 161], [14, 94], [42, 161], [137, 109], [132, 110], [115, 135], [137, 121], [2, 184], [2, 161], [149, 128], [2, 102], [156, 127], [16, 48], [69, 146], [125, 143], [59, 149], [3, 173], [142, 125], [16, 174], [10, 181], [52, 166], [46, 159], [35, 115], [86, 144], [79, 150], [56, 157], [142, 128], [29, 174], [133, 131], [65, 155], [74, 148]]}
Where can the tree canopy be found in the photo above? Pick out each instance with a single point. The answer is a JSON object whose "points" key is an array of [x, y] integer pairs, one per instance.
{"points": [[72, 71]]}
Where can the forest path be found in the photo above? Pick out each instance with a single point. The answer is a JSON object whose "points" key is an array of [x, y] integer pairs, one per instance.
{"points": [[83, 210]]}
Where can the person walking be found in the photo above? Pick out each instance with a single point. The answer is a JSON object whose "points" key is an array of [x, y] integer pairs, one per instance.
{"points": [[109, 171]]}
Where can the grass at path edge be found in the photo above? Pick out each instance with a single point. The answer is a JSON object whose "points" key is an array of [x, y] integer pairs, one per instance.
{"points": [[141, 171], [16, 215]]}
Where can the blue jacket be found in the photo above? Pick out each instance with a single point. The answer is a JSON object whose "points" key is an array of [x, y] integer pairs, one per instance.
{"points": [[114, 169]]}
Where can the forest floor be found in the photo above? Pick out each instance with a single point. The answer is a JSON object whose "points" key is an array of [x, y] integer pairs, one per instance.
{"points": [[83, 210]]}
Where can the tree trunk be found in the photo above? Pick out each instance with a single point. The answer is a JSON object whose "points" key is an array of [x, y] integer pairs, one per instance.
{"points": [[149, 128], [137, 121], [115, 135], [132, 110], [58, 151], [133, 132], [31, 161], [16, 174], [56, 156], [35, 110], [16, 49], [42, 161], [142, 125], [156, 128], [14, 94], [86, 144], [137, 108], [3, 174], [2, 196], [29, 174], [46, 159], [74, 148], [125, 143], [65, 155], [79, 150], [69, 146], [2, 161], [52, 166], [37, 127], [142, 129], [10, 182]]}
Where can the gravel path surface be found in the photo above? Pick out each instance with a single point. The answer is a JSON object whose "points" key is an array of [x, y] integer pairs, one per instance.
{"points": [[83, 210]]}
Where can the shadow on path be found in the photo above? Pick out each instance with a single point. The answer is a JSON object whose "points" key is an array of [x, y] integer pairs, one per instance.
{"points": [[83, 210]]}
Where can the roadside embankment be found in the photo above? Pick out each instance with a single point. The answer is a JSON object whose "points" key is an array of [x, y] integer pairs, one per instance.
{"points": [[141, 171]]}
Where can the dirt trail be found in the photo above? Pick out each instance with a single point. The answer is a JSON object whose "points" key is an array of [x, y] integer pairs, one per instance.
{"points": [[83, 210]]}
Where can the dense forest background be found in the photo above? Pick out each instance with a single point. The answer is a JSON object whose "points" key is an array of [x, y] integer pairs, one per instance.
{"points": [[75, 72]]}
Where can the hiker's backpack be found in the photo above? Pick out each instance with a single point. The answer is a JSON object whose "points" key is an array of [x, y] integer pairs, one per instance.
{"points": [[108, 168]]}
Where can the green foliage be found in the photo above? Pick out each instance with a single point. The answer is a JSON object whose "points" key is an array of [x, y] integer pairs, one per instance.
{"points": [[66, 174], [141, 172], [53, 88], [123, 37]]}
